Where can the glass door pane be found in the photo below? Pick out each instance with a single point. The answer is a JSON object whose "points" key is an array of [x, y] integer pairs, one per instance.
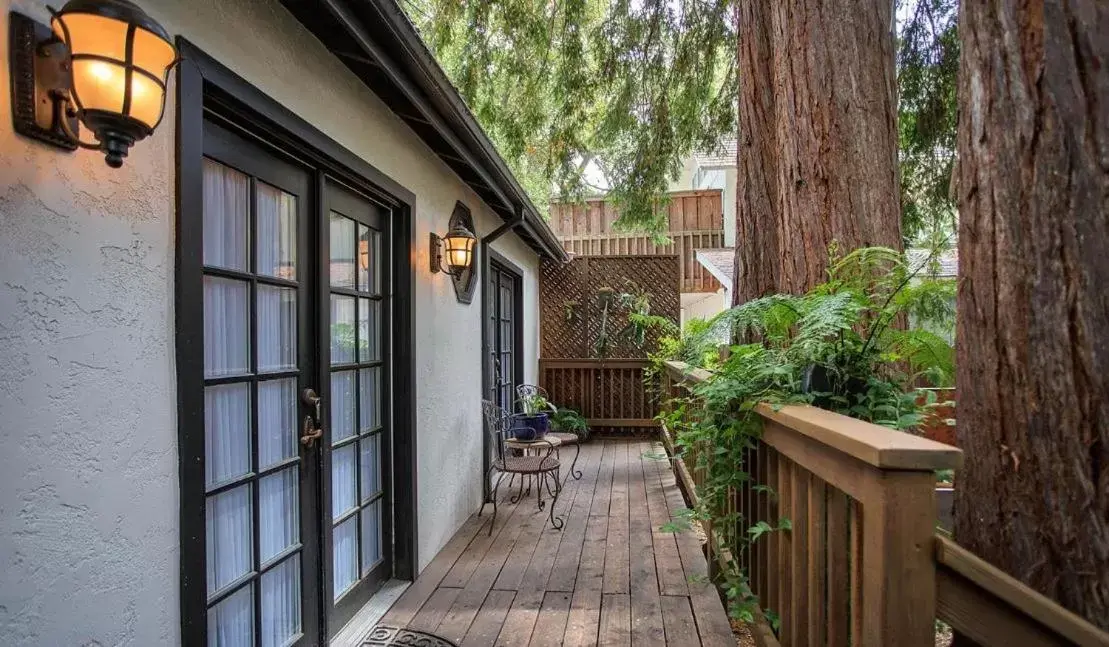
{"points": [[358, 435], [253, 301]]}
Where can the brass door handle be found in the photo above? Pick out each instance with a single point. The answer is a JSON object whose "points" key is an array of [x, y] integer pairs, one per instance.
{"points": [[310, 434], [313, 428]]}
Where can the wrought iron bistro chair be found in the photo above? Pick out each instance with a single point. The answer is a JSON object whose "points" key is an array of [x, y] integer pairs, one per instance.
{"points": [[530, 390], [542, 465]]}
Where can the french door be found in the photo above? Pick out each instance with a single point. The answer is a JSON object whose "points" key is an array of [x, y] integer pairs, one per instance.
{"points": [[504, 332], [297, 507], [358, 518]]}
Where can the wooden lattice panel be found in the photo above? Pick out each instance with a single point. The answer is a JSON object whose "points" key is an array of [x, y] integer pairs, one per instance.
{"points": [[571, 310]]}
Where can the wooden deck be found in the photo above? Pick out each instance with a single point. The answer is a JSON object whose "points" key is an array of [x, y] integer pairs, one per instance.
{"points": [[609, 577]]}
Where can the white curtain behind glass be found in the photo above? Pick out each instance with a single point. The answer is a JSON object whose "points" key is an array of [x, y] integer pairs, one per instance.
{"points": [[276, 232], [277, 328], [228, 451], [226, 432], [226, 200]]}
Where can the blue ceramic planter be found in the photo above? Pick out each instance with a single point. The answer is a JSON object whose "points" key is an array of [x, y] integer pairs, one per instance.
{"points": [[531, 427]]}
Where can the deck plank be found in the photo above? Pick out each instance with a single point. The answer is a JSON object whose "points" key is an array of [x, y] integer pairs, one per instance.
{"points": [[671, 577], [487, 625], [591, 568], [584, 620], [409, 603], [431, 614], [678, 618], [609, 578], [615, 620], [551, 625], [646, 615], [712, 621], [565, 570], [521, 619], [617, 553]]}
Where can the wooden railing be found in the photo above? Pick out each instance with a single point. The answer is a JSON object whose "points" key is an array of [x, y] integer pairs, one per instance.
{"points": [[861, 563], [610, 393]]}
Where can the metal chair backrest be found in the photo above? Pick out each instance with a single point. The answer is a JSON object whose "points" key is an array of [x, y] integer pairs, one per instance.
{"points": [[524, 391], [499, 422]]}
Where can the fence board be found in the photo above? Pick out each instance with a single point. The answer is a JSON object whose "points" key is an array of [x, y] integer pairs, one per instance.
{"points": [[610, 394], [695, 221]]}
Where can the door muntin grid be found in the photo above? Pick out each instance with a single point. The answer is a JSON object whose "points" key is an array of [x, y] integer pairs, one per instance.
{"points": [[253, 296], [358, 505]]}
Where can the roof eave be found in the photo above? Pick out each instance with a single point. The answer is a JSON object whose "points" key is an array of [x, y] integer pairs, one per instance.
{"points": [[376, 41]]}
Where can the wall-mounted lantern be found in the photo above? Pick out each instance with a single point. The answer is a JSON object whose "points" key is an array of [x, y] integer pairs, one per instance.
{"points": [[101, 63], [454, 252]]}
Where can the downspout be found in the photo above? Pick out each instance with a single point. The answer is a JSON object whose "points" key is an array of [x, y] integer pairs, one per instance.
{"points": [[486, 376]]}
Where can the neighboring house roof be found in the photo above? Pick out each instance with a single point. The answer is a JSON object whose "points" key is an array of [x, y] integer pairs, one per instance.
{"points": [[727, 154], [948, 261], [377, 42], [720, 262]]}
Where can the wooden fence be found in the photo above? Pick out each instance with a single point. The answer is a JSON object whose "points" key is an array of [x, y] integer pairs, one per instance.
{"points": [[611, 394], [861, 563], [695, 219]]}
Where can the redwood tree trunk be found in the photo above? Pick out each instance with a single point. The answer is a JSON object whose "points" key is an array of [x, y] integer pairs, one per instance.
{"points": [[1033, 320], [817, 126]]}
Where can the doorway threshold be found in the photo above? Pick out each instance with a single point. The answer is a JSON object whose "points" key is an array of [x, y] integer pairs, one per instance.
{"points": [[355, 631]]}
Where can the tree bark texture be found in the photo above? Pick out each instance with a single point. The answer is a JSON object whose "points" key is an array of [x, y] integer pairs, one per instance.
{"points": [[1033, 316], [818, 139]]}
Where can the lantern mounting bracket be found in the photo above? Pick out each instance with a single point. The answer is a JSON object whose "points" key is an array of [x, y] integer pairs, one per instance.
{"points": [[40, 84]]}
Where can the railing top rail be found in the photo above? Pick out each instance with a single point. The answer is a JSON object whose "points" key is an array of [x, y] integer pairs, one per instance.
{"points": [[1023, 599], [878, 446]]}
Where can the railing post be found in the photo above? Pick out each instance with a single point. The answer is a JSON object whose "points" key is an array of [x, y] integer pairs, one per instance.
{"points": [[899, 575]]}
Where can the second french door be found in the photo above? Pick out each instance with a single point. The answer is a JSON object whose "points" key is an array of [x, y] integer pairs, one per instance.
{"points": [[504, 332], [358, 520]]}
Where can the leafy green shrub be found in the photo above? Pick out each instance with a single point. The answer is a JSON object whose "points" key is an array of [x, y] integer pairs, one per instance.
{"points": [[844, 346], [570, 422]]}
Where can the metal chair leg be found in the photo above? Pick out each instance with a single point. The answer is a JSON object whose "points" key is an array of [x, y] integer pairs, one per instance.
{"points": [[493, 521], [576, 473], [556, 522], [519, 493]]}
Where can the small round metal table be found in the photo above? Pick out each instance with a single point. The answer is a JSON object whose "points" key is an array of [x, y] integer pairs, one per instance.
{"points": [[540, 444]]}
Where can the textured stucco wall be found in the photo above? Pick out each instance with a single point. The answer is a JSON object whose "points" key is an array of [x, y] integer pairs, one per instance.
{"points": [[88, 481]]}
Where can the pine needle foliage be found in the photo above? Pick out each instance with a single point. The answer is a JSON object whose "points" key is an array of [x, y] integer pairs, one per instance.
{"points": [[927, 81], [630, 87]]}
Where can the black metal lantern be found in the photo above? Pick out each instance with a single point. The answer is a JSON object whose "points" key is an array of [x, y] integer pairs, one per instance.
{"points": [[454, 252], [113, 59]]}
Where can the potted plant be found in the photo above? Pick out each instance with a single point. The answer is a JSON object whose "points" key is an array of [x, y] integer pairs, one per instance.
{"points": [[570, 422], [535, 421]]}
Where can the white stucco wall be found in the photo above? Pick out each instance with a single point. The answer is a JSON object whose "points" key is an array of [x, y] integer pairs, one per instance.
{"points": [[88, 478]]}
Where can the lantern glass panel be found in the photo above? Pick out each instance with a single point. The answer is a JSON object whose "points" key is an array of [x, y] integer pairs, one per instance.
{"points": [[93, 34], [99, 85]]}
